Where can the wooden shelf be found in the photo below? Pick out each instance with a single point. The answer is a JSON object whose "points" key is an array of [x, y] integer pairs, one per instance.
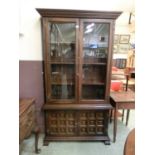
{"points": [[96, 63], [65, 63], [59, 60], [77, 106], [67, 43], [93, 83], [62, 83]]}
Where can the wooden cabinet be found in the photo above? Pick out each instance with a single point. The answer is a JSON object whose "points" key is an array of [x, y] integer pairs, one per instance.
{"points": [[76, 123], [27, 121], [26, 118], [77, 50]]}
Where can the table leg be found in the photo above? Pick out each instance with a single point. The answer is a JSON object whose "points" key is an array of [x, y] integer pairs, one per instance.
{"points": [[111, 113], [36, 132], [115, 123], [122, 115], [127, 117]]}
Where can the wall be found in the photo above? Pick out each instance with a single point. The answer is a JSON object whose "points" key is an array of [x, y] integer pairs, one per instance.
{"points": [[31, 85], [30, 46]]}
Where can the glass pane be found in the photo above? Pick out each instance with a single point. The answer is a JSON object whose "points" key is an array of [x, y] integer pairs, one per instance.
{"points": [[63, 74], [93, 74], [62, 60], [95, 42], [63, 91], [93, 92], [62, 42], [95, 48]]}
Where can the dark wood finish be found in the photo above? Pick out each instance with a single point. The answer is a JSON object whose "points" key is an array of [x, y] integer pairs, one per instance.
{"points": [[78, 13], [77, 106], [121, 100], [27, 122], [83, 114], [129, 147], [76, 125], [120, 75], [37, 131]]}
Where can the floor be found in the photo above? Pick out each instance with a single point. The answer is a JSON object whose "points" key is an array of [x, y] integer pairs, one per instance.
{"points": [[83, 148]]}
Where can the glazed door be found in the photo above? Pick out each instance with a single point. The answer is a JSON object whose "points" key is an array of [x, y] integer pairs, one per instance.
{"points": [[94, 59], [60, 60]]}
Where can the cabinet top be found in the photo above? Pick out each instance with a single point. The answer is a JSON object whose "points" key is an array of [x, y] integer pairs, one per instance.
{"points": [[78, 13]]}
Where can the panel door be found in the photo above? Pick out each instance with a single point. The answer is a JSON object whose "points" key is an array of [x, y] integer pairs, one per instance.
{"points": [[93, 123], [61, 123], [76, 123]]}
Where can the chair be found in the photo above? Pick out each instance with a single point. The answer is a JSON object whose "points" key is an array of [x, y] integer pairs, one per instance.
{"points": [[129, 147]]}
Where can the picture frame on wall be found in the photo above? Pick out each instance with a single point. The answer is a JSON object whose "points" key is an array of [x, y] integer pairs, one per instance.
{"points": [[124, 48], [124, 39], [115, 48], [116, 39]]}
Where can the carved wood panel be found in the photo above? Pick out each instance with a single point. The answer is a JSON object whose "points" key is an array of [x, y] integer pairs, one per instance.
{"points": [[92, 122], [61, 123], [69, 123]]}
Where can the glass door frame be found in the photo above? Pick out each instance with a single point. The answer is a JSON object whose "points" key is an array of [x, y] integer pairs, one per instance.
{"points": [[47, 63], [109, 58]]}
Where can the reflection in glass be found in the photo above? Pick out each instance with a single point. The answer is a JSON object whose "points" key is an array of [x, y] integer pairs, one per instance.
{"points": [[93, 92], [63, 91], [62, 60], [63, 81], [62, 74], [95, 42], [62, 41], [94, 74], [95, 48]]}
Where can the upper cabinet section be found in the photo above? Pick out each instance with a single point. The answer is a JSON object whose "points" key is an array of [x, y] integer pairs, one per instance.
{"points": [[77, 47]]}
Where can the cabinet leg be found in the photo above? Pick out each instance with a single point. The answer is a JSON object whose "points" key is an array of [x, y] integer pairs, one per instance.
{"points": [[127, 117], [36, 131], [107, 142], [46, 143]]}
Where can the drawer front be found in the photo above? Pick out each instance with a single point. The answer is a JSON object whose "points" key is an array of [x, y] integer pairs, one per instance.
{"points": [[76, 123], [26, 122], [30, 120]]}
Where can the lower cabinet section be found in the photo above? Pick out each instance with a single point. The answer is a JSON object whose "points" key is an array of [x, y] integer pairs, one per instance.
{"points": [[76, 125]]}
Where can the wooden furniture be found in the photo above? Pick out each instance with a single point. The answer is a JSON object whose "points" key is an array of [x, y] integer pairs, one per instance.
{"points": [[27, 123], [121, 100], [127, 77], [77, 49], [129, 147], [122, 76]]}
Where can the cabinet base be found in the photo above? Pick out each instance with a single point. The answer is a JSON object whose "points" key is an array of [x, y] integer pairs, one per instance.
{"points": [[107, 142], [46, 142], [105, 139]]}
